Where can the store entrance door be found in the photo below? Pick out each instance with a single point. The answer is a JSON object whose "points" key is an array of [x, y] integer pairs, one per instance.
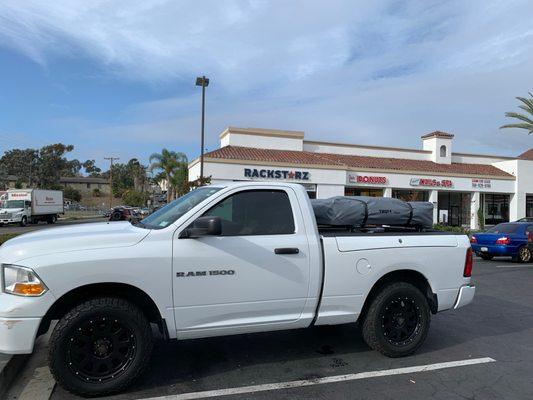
{"points": [[455, 216]]}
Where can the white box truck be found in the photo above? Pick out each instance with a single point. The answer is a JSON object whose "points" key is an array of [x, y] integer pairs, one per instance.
{"points": [[23, 206]]}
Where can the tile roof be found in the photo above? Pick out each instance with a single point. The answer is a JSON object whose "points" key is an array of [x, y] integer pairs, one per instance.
{"points": [[526, 155], [437, 134], [351, 161], [82, 179]]}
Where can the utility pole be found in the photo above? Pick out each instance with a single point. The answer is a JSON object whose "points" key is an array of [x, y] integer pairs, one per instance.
{"points": [[203, 82], [111, 159]]}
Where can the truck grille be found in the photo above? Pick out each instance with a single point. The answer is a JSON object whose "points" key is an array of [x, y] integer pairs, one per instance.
{"points": [[5, 216]]}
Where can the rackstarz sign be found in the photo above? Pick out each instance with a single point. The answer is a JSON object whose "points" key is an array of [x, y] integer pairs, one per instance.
{"points": [[276, 174]]}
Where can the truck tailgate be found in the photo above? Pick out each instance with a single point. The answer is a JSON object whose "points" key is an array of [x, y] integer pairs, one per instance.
{"points": [[368, 242]]}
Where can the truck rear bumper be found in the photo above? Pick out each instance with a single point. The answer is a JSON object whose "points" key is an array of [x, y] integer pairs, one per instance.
{"points": [[465, 296], [17, 335]]}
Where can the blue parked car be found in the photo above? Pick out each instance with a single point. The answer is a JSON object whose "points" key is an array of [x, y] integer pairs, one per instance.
{"points": [[511, 239]]}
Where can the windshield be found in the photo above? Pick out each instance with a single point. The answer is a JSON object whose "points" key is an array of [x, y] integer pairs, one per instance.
{"points": [[172, 211], [14, 204], [504, 228]]}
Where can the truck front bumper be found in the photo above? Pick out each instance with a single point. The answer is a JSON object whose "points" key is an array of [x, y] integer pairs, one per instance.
{"points": [[465, 296], [9, 221], [17, 335]]}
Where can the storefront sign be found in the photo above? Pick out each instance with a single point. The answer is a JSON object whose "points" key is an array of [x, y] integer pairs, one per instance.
{"points": [[372, 180], [276, 174], [481, 183], [446, 183]]}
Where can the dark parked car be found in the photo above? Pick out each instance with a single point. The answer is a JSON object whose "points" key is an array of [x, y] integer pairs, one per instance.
{"points": [[122, 214], [511, 239]]}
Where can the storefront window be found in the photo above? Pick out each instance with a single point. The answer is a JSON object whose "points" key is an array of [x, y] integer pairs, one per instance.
{"points": [[529, 206], [454, 208], [350, 191], [411, 195], [496, 208]]}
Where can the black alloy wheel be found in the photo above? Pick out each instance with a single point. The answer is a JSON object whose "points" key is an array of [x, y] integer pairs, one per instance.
{"points": [[101, 349], [397, 319], [400, 320]]}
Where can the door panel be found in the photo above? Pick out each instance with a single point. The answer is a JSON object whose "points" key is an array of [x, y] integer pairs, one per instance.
{"points": [[229, 281]]}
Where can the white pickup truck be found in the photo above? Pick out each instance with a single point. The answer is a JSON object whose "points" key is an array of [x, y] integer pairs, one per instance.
{"points": [[221, 260]]}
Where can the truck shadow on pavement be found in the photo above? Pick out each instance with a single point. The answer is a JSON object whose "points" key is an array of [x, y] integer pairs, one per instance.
{"points": [[204, 364]]}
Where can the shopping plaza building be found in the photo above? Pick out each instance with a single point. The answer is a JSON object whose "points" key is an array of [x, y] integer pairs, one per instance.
{"points": [[464, 188]]}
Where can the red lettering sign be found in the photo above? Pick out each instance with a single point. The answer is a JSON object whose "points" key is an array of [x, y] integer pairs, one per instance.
{"points": [[373, 180]]}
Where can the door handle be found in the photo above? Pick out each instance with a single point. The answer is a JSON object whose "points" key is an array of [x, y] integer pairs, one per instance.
{"points": [[287, 250]]}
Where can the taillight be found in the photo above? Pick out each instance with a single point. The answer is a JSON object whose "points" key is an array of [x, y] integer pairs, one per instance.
{"points": [[504, 240], [473, 239], [530, 237], [467, 273]]}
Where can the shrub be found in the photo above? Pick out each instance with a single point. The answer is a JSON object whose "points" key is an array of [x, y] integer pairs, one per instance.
{"points": [[96, 192], [134, 198], [455, 229], [72, 194]]}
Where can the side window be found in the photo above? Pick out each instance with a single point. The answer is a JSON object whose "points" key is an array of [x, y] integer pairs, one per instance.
{"points": [[255, 212]]}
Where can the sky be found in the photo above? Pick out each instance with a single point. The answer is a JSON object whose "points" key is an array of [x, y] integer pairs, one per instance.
{"points": [[117, 78]]}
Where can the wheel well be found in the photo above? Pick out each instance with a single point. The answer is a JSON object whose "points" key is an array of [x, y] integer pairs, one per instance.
{"points": [[405, 275], [76, 296]]}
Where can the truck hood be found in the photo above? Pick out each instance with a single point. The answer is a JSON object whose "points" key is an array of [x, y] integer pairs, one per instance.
{"points": [[10, 210], [71, 238]]}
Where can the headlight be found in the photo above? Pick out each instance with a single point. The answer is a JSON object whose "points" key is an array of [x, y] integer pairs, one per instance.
{"points": [[22, 281]]}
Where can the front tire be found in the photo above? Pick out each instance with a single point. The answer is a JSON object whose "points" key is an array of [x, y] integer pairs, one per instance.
{"points": [[100, 347], [397, 321], [24, 221]]}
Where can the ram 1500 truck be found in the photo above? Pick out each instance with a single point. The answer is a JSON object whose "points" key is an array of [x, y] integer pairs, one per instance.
{"points": [[222, 260]]}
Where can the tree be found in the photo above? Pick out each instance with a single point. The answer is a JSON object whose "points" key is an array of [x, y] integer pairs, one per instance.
{"points": [[52, 164], [138, 172], [72, 194], [22, 163], [134, 198], [527, 118], [169, 162], [4, 179], [91, 169]]}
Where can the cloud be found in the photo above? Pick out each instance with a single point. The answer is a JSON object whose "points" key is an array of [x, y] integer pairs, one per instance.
{"points": [[381, 72]]}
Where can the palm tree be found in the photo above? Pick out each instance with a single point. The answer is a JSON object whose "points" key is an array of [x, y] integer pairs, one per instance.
{"points": [[169, 162], [527, 119]]}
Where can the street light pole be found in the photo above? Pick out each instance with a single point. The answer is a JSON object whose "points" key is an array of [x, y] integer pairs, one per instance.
{"points": [[111, 159], [203, 82]]}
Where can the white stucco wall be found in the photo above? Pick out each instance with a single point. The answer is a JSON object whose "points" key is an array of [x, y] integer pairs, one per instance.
{"points": [[370, 151], [262, 142], [523, 171]]}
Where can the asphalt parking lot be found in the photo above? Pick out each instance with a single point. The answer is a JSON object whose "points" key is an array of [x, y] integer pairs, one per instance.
{"points": [[494, 335]]}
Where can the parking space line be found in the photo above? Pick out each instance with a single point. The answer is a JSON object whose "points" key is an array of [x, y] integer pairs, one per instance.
{"points": [[514, 266], [325, 380], [40, 386]]}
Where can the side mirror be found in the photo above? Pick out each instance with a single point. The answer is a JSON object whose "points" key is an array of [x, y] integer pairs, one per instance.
{"points": [[203, 226]]}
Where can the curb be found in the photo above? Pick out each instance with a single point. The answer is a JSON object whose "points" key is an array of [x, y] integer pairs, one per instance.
{"points": [[10, 371]]}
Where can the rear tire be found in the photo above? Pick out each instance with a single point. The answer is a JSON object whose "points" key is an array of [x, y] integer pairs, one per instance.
{"points": [[100, 347], [486, 257], [397, 321], [51, 219], [524, 255]]}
